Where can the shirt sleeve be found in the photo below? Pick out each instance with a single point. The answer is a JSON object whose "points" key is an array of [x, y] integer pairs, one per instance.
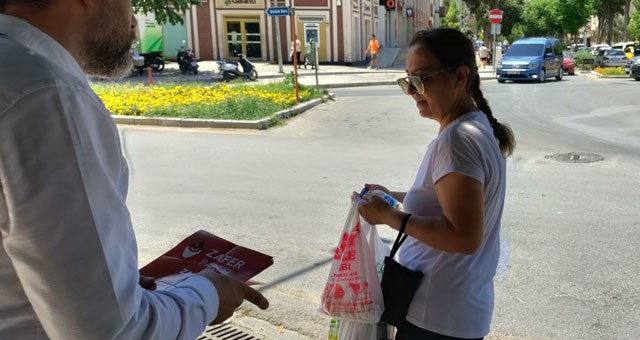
{"points": [[458, 151], [69, 234]]}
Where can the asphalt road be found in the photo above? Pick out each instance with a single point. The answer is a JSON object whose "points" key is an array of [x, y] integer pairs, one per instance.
{"points": [[569, 267]]}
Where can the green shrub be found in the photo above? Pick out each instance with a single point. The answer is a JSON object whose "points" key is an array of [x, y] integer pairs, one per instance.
{"points": [[580, 56]]}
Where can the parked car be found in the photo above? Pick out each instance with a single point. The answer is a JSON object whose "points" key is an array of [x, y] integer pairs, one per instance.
{"points": [[627, 47], [634, 69], [568, 63], [630, 61], [596, 48], [577, 47], [531, 59], [627, 66], [611, 58]]}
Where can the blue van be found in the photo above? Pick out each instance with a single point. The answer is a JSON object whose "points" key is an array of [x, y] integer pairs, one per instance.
{"points": [[534, 59]]}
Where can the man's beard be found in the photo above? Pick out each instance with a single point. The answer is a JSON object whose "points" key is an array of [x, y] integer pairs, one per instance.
{"points": [[108, 53]]}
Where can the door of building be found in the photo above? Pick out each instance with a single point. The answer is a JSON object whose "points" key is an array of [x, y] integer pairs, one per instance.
{"points": [[243, 35]]}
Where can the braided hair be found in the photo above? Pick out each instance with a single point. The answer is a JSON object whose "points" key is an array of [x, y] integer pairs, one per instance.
{"points": [[453, 49]]}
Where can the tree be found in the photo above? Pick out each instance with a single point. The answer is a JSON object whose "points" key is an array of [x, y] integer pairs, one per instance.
{"points": [[542, 18], [574, 14], [607, 11], [164, 10], [627, 10], [512, 14], [633, 29], [452, 19]]}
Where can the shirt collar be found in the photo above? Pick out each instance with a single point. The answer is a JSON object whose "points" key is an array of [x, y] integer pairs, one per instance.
{"points": [[39, 42]]}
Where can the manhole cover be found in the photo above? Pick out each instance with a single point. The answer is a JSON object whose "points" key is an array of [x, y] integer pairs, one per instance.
{"points": [[225, 332], [575, 157]]}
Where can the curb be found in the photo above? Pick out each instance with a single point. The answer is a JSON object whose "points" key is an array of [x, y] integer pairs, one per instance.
{"points": [[600, 76], [372, 83], [260, 124]]}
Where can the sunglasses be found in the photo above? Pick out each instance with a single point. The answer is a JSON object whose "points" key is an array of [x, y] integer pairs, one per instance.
{"points": [[417, 82]]}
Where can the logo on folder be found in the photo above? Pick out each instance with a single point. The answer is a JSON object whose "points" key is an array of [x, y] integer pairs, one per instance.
{"points": [[192, 250]]}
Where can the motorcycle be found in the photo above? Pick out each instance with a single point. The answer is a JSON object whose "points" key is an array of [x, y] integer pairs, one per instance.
{"points": [[231, 69], [155, 60], [187, 60]]}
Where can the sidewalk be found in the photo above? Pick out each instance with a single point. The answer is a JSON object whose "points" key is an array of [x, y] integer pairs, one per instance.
{"points": [[329, 76]]}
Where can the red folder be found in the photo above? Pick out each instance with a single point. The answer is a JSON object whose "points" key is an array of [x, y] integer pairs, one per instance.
{"points": [[205, 250]]}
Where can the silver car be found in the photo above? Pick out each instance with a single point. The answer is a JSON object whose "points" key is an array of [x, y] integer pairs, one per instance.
{"points": [[611, 58]]}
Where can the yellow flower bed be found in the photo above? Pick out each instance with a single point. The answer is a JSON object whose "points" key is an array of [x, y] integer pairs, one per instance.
{"points": [[610, 71], [181, 100]]}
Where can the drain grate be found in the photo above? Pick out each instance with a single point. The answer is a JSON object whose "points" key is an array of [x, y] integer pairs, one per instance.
{"points": [[225, 332], [575, 157]]}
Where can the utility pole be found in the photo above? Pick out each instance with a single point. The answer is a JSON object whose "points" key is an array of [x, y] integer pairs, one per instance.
{"points": [[278, 45], [460, 4]]}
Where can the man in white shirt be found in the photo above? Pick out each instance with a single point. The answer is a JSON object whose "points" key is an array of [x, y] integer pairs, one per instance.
{"points": [[483, 54], [68, 254]]}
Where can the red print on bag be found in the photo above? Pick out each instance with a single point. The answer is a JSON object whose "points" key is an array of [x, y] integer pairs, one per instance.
{"points": [[348, 240], [338, 294]]}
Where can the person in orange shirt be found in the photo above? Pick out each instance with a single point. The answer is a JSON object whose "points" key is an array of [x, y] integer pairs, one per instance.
{"points": [[374, 48]]}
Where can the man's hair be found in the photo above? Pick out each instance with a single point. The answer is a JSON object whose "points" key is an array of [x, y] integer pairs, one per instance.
{"points": [[373, 35]]}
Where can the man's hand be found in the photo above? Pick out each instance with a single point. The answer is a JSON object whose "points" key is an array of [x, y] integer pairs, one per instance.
{"points": [[147, 282], [232, 293]]}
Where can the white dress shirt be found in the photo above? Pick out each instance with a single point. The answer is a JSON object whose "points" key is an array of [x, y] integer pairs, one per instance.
{"points": [[68, 257]]}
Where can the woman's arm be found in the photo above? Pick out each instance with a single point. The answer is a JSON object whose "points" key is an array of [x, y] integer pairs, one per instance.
{"points": [[459, 229]]}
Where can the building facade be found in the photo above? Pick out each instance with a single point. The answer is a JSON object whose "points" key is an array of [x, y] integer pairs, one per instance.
{"points": [[218, 29]]}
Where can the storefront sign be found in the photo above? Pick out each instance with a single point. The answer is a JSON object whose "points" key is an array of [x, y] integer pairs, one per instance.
{"points": [[240, 4]]}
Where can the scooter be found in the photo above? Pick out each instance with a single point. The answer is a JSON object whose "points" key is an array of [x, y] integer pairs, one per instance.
{"points": [[155, 60], [187, 60], [138, 62], [230, 69]]}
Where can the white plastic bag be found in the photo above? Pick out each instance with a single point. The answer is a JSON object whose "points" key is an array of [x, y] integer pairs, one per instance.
{"points": [[353, 289], [352, 330]]}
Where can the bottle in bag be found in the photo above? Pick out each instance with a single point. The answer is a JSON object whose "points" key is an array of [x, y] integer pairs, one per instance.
{"points": [[334, 327], [386, 197]]}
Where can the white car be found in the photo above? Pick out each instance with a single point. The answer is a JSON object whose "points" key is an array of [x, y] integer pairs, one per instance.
{"points": [[596, 48], [611, 58]]}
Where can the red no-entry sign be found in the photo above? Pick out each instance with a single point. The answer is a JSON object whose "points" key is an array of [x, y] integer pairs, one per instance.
{"points": [[495, 16]]}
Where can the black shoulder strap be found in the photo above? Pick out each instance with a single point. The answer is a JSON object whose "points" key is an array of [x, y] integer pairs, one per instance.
{"points": [[401, 236]]}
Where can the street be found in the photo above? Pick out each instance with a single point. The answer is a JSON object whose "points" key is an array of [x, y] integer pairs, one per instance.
{"points": [[569, 263]]}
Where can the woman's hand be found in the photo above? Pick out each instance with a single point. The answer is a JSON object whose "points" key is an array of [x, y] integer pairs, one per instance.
{"points": [[374, 209], [372, 187]]}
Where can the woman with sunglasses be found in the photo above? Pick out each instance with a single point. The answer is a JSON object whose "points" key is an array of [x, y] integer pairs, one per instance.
{"points": [[455, 205]]}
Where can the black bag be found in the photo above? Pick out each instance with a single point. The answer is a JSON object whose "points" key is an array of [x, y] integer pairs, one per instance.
{"points": [[399, 284]]}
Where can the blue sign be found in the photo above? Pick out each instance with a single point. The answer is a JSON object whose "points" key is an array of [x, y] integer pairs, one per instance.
{"points": [[279, 11]]}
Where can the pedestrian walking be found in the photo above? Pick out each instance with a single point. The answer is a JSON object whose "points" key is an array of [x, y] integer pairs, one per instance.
{"points": [[297, 47], [483, 55], [374, 49]]}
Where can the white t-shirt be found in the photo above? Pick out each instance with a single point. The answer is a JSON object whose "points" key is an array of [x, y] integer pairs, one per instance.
{"points": [[483, 52], [68, 254], [455, 297]]}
